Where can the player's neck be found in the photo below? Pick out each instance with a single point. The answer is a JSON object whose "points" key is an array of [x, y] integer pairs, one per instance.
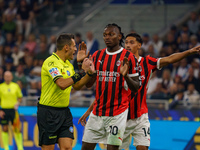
{"points": [[113, 49], [61, 55], [137, 56], [7, 82]]}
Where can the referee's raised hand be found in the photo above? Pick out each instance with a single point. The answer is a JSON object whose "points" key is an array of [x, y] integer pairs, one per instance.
{"points": [[81, 55]]}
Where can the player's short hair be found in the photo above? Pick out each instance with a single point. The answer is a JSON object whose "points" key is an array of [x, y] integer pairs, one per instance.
{"points": [[137, 36], [120, 31], [63, 39]]}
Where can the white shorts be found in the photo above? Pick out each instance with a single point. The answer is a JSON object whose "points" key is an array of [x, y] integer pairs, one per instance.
{"points": [[139, 129], [107, 130]]}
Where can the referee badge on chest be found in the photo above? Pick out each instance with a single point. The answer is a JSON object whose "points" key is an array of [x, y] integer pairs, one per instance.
{"points": [[68, 73]]}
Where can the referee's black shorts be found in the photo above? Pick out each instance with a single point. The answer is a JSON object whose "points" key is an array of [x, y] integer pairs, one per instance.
{"points": [[54, 123], [9, 116]]}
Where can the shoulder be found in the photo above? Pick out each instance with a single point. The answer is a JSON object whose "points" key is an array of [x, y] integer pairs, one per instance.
{"points": [[50, 61], [148, 57], [127, 52], [98, 52], [14, 85], [2, 84], [151, 58], [50, 58]]}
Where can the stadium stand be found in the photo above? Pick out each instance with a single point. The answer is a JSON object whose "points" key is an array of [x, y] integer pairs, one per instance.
{"points": [[24, 54]]}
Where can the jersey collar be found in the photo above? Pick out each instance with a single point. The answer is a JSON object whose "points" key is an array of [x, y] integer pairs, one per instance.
{"points": [[63, 62], [139, 59], [113, 53], [54, 54]]}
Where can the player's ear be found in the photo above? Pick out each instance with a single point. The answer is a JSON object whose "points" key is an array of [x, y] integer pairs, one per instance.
{"points": [[139, 45], [66, 48], [119, 37]]}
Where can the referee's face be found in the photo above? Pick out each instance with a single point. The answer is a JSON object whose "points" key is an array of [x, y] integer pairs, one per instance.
{"points": [[8, 77], [72, 50]]}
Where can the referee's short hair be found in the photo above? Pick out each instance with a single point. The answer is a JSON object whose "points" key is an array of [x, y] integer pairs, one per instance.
{"points": [[63, 39]]}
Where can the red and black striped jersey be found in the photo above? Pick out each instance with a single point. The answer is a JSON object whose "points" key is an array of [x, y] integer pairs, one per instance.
{"points": [[138, 105], [112, 92]]}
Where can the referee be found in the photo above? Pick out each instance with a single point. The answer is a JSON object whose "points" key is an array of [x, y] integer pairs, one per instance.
{"points": [[10, 97], [58, 76]]}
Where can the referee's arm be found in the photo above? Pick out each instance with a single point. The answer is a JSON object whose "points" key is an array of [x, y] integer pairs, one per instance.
{"points": [[65, 83], [19, 99], [2, 113], [84, 80]]}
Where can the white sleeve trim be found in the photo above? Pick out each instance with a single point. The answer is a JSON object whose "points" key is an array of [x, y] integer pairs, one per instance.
{"points": [[158, 64], [133, 75]]}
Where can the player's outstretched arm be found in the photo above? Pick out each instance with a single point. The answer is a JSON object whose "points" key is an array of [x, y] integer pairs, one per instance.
{"points": [[178, 56], [83, 118], [133, 82]]}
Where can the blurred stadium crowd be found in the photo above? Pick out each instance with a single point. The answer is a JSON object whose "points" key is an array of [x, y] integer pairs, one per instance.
{"points": [[23, 52]]}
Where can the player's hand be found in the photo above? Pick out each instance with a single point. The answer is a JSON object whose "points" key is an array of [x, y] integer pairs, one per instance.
{"points": [[124, 66], [195, 50], [91, 68], [81, 55], [82, 120], [88, 65], [2, 114]]}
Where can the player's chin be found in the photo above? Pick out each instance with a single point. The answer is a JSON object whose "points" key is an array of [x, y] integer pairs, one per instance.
{"points": [[72, 57], [108, 44]]}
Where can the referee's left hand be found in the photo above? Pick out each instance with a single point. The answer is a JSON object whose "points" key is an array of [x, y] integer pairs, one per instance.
{"points": [[81, 55], [2, 114]]}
